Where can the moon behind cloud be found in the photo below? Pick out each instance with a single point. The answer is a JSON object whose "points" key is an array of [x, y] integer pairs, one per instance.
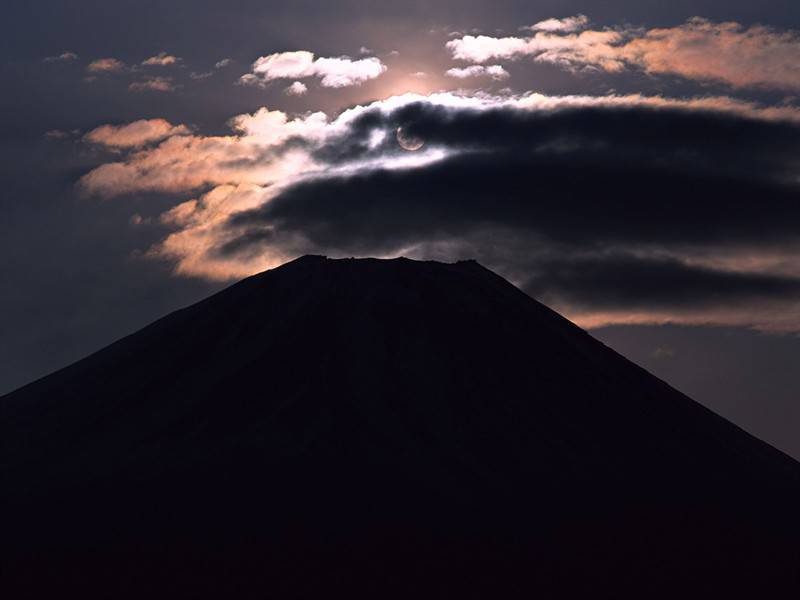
{"points": [[409, 142]]}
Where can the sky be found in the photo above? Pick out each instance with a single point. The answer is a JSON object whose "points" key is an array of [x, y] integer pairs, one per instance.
{"points": [[634, 165]]}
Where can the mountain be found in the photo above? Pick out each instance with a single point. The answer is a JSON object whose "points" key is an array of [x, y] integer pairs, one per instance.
{"points": [[382, 428]]}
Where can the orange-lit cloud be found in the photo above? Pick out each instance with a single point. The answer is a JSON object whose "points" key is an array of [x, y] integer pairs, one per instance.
{"points": [[136, 134], [183, 163], [724, 52], [699, 49], [198, 230]]}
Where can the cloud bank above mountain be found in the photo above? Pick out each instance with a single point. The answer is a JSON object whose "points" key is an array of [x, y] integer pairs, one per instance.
{"points": [[616, 209]]}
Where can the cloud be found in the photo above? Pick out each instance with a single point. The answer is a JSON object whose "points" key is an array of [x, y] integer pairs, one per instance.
{"points": [[603, 282], [65, 56], [106, 65], [699, 49], [156, 84], [253, 154], [136, 134], [57, 134], [713, 104], [567, 24], [199, 76], [332, 72], [298, 88], [727, 52], [481, 48], [662, 352], [162, 59], [496, 72], [223, 63], [614, 209]]}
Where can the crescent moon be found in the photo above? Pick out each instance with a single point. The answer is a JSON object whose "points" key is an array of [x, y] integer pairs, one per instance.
{"points": [[409, 142]]}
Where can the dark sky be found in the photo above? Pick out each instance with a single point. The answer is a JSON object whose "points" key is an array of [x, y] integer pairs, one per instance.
{"points": [[635, 165]]}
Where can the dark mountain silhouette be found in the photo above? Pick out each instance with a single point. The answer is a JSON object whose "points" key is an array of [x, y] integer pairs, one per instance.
{"points": [[382, 428]]}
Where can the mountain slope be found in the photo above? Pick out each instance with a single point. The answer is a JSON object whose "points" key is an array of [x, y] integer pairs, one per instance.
{"points": [[374, 422]]}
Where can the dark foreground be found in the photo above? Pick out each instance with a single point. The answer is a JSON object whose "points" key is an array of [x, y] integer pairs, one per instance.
{"points": [[389, 429]]}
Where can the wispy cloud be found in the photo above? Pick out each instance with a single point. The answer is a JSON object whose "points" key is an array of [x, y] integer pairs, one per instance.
{"points": [[567, 24], [496, 72], [60, 134], [106, 65], [162, 59], [156, 84], [63, 57], [332, 72], [223, 63]]}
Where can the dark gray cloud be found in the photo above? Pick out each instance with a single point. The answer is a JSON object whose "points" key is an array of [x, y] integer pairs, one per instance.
{"points": [[583, 175], [626, 282], [591, 207]]}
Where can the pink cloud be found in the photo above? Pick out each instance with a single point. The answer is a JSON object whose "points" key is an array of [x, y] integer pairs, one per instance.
{"points": [[162, 59], [727, 52], [105, 65], [298, 88], [156, 84]]}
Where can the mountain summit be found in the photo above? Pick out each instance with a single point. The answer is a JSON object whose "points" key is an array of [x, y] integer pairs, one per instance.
{"points": [[389, 428]]}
